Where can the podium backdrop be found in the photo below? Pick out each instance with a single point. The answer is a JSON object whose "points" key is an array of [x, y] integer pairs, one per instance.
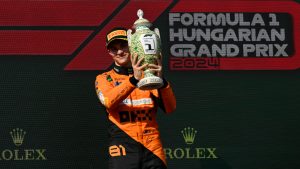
{"points": [[234, 67]]}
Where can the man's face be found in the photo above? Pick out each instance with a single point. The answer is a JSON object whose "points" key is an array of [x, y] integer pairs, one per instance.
{"points": [[119, 51]]}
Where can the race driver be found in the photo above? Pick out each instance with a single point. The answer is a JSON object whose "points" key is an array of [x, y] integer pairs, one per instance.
{"points": [[133, 129]]}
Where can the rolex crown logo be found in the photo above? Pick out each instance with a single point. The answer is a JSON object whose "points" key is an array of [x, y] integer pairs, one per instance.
{"points": [[189, 135], [18, 136]]}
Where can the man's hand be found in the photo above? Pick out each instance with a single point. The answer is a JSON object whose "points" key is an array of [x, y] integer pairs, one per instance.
{"points": [[137, 69], [156, 68]]}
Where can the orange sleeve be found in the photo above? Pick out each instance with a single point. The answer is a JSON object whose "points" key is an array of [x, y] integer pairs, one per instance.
{"points": [[166, 98], [109, 95]]}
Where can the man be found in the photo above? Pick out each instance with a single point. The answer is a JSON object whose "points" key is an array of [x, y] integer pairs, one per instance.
{"points": [[133, 130]]}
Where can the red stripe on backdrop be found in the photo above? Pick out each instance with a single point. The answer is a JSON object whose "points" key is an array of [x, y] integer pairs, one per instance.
{"points": [[55, 13], [40, 42], [285, 6], [94, 56]]}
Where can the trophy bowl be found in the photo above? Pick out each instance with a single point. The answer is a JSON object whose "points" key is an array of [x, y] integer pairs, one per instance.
{"points": [[146, 43]]}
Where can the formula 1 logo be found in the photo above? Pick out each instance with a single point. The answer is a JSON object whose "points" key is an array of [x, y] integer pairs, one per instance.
{"points": [[237, 35], [74, 29]]}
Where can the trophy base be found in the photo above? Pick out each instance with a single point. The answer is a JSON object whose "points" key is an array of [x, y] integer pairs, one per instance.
{"points": [[150, 83]]}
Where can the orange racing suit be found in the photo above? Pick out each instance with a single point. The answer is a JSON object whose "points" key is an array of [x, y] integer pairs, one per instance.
{"points": [[133, 129]]}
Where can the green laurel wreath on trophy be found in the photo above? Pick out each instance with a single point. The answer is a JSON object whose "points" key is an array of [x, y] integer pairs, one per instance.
{"points": [[147, 44]]}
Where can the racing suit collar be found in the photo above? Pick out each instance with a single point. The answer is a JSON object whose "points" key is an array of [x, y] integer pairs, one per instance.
{"points": [[123, 70]]}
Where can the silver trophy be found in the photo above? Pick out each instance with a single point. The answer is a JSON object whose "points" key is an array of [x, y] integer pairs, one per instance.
{"points": [[147, 44]]}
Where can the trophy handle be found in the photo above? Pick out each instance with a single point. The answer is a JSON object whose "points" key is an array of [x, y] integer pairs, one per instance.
{"points": [[156, 30], [129, 36]]}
